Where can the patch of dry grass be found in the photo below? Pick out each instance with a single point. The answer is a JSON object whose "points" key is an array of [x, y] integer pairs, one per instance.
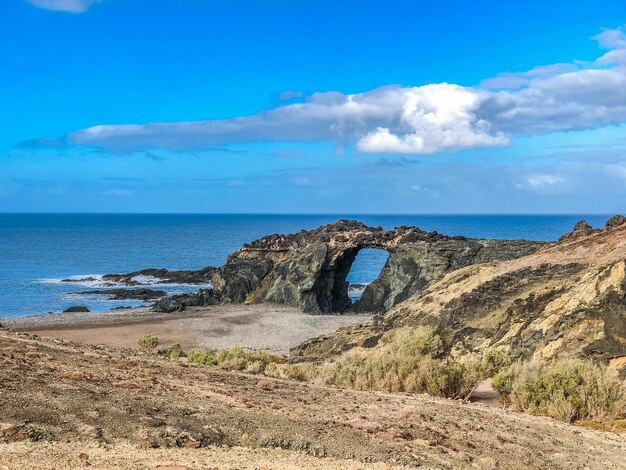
{"points": [[565, 389], [236, 358], [405, 361]]}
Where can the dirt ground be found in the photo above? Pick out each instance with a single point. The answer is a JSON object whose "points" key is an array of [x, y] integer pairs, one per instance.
{"points": [[263, 326], [120, 409]]}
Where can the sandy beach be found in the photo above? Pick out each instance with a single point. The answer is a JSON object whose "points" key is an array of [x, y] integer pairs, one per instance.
{"points": [[263, 326]]}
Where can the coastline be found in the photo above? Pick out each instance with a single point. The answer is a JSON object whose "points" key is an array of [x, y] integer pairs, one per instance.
{"points": [[259, 326]]}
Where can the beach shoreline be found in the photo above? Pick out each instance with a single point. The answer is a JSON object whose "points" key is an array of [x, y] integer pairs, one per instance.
{"points": [[260, 326]]}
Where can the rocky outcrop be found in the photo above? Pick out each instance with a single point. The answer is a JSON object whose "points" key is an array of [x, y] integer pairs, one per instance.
{"points": [[76, 309], [564, 299], [142, 294], [309, 269], [179, 302], [163, 276]]}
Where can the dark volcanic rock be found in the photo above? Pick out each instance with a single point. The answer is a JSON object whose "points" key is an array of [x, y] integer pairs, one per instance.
{"points": [[581, 229], [201, 276], [309, 269], [127, 294], [76, 309], [616, 221], [83, 279], [176, 303]]}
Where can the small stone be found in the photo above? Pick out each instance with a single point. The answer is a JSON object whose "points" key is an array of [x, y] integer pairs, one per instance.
{"points": [[148, 444], [365, 425], [192, 444], [424, 442], [391, 433], [9, 432]]}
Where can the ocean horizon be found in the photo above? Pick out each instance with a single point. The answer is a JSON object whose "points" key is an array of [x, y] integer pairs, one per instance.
{"points": [[39, 250]]}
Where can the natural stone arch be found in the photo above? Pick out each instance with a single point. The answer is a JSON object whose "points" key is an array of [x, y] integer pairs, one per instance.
{"points": [[309, 269]]}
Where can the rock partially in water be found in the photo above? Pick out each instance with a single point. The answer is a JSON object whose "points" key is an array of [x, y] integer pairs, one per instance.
{"points": [[142, 294], [163, 276], [82, 279]]}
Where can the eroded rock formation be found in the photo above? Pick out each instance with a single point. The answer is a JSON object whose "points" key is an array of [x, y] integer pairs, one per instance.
{"points": [[309, 269], [564, 299]]}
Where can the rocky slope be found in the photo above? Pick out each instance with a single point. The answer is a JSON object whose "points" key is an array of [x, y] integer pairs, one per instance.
{"points": [[70, 406], [309, 269], [564, 299]]}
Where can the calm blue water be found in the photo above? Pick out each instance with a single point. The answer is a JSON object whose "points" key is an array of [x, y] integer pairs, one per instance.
{"points": [[38, 250]]}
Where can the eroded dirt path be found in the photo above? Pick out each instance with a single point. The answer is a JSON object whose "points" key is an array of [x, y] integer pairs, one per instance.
{"points": [[102, 398]]}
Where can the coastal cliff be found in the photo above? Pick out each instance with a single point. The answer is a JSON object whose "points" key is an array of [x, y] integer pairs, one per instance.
{"points": [[565, 299]]}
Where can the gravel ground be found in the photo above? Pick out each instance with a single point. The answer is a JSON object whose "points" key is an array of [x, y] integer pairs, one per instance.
{"points": [[125, 410], [263, 326]]}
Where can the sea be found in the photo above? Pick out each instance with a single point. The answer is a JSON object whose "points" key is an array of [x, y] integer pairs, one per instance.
{"points": [[39, 251]]}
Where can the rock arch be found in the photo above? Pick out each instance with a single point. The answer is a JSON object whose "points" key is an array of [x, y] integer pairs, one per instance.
{"points": [[309, 269]]}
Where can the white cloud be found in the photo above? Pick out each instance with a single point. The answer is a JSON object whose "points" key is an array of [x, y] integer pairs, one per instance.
{"points": [[415, 120], [70, 6], [415, 187], [435, 118], [540, 182]]}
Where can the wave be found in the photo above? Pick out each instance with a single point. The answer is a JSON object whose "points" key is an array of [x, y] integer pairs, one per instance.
{"points": [[96, 281]]}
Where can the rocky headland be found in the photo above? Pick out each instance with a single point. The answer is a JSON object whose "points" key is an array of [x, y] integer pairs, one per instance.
{"points": [[563, 299]]}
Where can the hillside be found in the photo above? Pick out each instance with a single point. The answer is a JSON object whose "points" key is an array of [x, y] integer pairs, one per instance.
{"points": [[566, 299], [69, 406]]}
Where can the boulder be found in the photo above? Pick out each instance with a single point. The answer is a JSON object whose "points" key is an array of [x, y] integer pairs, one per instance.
{"points": [[179, 302], [616, 221], [76, 309]]}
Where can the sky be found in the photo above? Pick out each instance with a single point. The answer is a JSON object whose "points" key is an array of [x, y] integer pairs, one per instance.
{"points": [[320, 106]]}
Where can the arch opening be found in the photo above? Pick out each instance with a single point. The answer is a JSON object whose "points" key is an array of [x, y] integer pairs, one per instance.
{"points": [[365, 269]]}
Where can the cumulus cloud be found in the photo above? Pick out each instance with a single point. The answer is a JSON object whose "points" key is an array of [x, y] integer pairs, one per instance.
{"points": [[70, 6], [414, 120]]}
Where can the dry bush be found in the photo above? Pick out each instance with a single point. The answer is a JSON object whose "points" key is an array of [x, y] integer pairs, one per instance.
{"points": [[175, 351], [565, 389], [235, 358], [405, 361], [147, 343]]}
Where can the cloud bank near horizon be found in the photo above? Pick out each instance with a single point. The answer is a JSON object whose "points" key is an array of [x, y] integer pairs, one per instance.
{"points": [[410, 120]]}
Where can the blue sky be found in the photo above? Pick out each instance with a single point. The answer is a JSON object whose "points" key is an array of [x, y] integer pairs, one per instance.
{"points": [[312, 106]]}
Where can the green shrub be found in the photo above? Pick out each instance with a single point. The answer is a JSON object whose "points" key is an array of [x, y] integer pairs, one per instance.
{"points": [[565, 389], [173, 352], [394, 372], [404, 361], [236, 358], [200, 356], [494, 360], [147, 343]]}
